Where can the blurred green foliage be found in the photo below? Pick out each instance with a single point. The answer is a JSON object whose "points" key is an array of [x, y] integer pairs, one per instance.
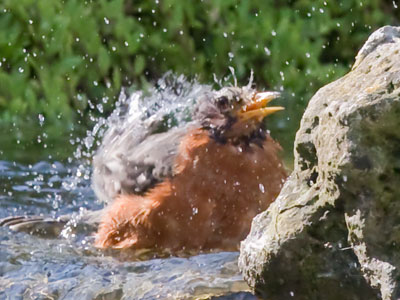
{"points": [[60, 58]]}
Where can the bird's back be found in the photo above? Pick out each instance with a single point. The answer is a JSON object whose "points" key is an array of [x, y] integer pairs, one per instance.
{"points": [[125, 166]]}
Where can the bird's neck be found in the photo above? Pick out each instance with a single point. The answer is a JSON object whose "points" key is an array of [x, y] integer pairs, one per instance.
{"points": [[257, 136]]}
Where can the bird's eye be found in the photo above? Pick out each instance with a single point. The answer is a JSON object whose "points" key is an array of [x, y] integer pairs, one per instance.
{"points": [[223, 102]]}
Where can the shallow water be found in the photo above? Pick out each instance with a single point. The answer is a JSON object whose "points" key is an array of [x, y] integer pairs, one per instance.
{"points": [[32, 267]]}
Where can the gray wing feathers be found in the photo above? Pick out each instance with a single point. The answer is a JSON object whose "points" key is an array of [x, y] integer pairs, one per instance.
{"points": [[125, 165]]}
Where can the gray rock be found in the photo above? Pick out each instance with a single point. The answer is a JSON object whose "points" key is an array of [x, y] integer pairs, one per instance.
{"points": [[334, 230]]}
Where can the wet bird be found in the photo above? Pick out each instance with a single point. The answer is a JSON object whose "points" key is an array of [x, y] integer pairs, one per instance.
{"points": [[194, 187], [191, 187]]}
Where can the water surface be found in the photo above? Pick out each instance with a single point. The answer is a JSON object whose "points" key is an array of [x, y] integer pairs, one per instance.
{"points": [[66, 267]]}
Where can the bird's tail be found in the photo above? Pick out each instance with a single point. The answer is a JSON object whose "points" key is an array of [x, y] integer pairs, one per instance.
{"points": [[50, 227]]}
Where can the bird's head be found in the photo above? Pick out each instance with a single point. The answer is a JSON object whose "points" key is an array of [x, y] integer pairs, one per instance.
{"points": [[235, 113]]}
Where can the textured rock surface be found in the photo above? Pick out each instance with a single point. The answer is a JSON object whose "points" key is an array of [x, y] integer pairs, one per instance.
{"points": [[334, 230]]}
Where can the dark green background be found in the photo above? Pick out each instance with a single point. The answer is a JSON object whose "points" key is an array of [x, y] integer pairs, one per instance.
{"points": [[58, 57]]}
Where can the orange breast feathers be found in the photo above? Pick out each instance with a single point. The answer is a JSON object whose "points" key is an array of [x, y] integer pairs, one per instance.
{"points": [[209, 202]]}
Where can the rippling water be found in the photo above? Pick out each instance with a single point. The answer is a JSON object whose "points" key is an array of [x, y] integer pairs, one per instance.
{"points": [[33, 267], [67, 266]]}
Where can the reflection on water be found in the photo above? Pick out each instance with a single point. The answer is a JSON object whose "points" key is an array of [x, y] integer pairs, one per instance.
{"points": [[38, 268]]}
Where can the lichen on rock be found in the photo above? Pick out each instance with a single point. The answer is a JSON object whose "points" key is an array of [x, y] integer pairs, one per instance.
{"points": [[334, 230]]}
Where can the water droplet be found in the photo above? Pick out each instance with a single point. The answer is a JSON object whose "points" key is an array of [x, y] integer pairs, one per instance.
{"points": [[225, 35], [107, 21], [99, 108], [267, 51], [261, 187], [88, 142], [41, 119], [37, 188]]}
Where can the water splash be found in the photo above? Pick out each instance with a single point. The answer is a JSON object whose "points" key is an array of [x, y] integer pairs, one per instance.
{"points": [[169, 103], [61, 266]]}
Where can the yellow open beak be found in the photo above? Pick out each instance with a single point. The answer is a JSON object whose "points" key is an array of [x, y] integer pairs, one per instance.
{"points": [[257, 108]]}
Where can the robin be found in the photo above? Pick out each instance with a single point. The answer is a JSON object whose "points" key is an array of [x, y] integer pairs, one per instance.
{"points": [[194, 187], [197, 187]]}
